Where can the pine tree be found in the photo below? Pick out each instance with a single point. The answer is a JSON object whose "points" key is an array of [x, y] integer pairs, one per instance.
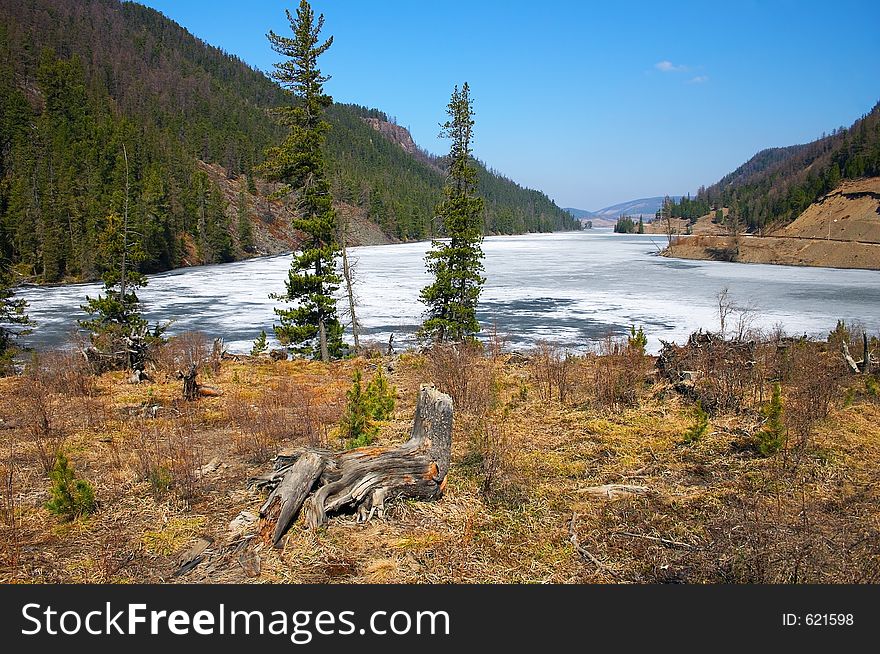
{"points": [[14, 321], [116, 314], [311, 326], [772, 437], [217, 227], [456, 265], [244, 227]]}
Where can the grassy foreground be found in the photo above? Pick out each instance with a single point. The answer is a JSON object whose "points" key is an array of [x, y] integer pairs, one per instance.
{"points": [[534, 436]]}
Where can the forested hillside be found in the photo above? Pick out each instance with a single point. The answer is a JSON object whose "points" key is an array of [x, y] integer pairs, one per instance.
{"points": [[777, 185], [92, 88]]}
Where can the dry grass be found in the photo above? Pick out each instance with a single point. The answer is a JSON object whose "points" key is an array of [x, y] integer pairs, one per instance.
{"points": [[714, 511]]}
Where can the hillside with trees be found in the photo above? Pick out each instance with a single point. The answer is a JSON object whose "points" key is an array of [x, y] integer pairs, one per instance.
{"points": [[778, 184], [80, 79]]}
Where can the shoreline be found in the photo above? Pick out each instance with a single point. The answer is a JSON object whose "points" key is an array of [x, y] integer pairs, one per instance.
{"points": [[178, 269], [799, 252]]}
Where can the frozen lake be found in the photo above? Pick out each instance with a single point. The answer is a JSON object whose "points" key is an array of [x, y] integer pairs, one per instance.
{"points": [[570, 288]]}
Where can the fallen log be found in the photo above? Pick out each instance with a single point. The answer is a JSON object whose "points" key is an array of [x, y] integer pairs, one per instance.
{"points": [[847, 357], [360, 480], [613, 491]]}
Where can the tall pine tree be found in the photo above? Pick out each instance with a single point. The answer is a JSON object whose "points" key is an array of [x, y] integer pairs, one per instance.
{"points": [[310, 326], [456, 264]]}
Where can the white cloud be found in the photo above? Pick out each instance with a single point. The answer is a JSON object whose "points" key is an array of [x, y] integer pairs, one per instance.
{"points": [[699, 79], [666, 66]]}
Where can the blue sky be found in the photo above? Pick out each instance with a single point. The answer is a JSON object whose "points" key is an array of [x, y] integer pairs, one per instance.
{"points": [[593, 103]]}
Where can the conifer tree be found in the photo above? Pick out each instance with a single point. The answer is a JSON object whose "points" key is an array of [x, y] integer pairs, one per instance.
{"points": [[116, 314], [456, 265], [14, 321], [311, 325], [244, 227]]}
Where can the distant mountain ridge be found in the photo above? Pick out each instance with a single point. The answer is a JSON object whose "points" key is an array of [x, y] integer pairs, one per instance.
{"points": [[82, 79], [642, 207], [777, 185]]}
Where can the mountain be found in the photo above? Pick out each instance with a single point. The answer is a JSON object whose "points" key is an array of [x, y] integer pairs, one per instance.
{"points": [[580, 213], [778, 184], [109, 106], [607, 217], [644, 207]]}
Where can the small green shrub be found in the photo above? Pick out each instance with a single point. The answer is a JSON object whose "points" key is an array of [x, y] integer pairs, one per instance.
{"points": [[872, 388], [366, 407], [637, 340], [701, 424], [260, 345], [380, 397], [70, 497], [772, 437]]}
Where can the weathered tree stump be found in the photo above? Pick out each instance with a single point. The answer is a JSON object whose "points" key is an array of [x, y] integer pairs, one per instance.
{"points": [[364, 479], [190, 385]]}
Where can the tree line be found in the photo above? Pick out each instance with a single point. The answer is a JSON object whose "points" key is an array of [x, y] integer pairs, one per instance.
{"points": [[777, 185], [80, 78], [309, 324]]}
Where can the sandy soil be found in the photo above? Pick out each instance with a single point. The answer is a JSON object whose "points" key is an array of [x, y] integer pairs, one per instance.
{"points": [[842, 230]]}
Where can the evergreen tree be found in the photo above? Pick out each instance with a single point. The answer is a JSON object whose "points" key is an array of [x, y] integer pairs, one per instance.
{"points": [[71, 497], [14, 321], [217, 235], [116, 314], [244, 227], [456, 265], [311, 326], [772, 437]]}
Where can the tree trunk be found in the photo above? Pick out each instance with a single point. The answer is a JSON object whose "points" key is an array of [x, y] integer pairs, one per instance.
{"points": [[322, 337], [364, 479], [349, 288], [348, 275], [190, 385]]}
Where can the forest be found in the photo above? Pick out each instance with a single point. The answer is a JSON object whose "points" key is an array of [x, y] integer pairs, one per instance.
{"points": [[776, 185], [109, 107]]}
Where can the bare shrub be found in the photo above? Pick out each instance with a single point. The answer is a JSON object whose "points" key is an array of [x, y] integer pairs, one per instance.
{"points": [[169, 456], [11, 536], [458, 369], [64, 372], [181, 352], [618, 374], [553, 370], [254, 437], [497, 341], [493, 445], [185, 457], [42, 422], [813, 380], [289, 412], [311, 417], [724, 375], [149, 458]]}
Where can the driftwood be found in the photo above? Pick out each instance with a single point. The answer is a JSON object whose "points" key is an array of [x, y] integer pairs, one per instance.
{"points": [[192, 389], [856, 367], [583, 551], [190, 385], [613, 491], [360, 480]]}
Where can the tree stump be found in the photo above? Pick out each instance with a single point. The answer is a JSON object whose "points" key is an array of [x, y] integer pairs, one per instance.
{"points": [[190, 385], [364, 479]]}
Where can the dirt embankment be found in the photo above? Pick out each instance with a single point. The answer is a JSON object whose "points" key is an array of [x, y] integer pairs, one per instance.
{"points": [[271, 219], [841, 230]]}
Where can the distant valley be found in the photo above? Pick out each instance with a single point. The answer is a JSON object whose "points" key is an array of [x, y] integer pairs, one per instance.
{"points": [[643, 207]]}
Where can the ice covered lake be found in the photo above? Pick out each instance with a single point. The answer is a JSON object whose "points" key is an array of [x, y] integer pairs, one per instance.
{"points": [[568, 288]]}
